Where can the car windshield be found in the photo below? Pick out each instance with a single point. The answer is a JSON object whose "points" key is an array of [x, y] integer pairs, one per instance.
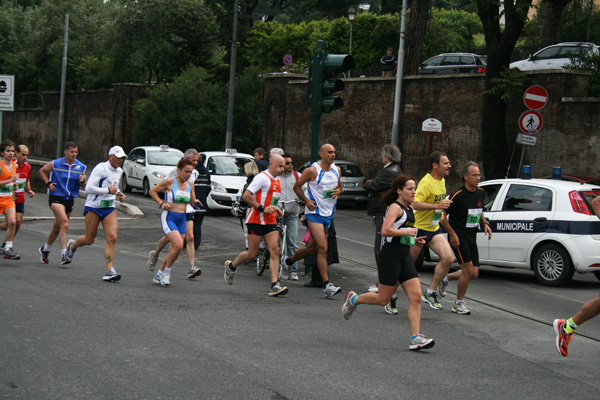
{"points": [[227, 165], [433, 62], [350, 171], [161, 157]]}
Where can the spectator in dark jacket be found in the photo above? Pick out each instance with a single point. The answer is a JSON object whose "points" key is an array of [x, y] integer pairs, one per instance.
{"points": [[202, 189], [388, 63], [260, 157]]}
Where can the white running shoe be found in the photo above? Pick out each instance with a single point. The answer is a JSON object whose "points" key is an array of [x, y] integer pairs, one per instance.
{"points": [[157, 278], [348, 308], [442, 288], [152, 259], [284, 273], [278, 290], [420, 342], [165, 279], [331, 290], [461, 309], [194, 272], [111, 276], [293, 276], [228, 276], [70, 253], [374, 288]]}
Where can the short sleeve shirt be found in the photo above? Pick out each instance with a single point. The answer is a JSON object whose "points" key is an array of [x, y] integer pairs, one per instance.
{"points": [[432, 191], [465, 211]]}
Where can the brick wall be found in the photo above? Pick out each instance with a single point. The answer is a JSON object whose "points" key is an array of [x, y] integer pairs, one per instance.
{"points": [[359, 129]]}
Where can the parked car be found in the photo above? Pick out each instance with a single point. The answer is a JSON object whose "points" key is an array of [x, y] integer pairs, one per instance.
{"points": [[453, 63], [578, 178], [146, 166], [227, 176], [544, 225], [557, 56], [353, 182]]}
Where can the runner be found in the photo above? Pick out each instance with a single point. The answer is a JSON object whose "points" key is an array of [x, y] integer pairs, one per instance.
{"points": [[101, 190], [396, 265], [178, 195], [430, 200], [466, 214], [8, 179], [563, 328], [193, 271], [63, 177], [23, 185], [324, 187], [262, 196]]}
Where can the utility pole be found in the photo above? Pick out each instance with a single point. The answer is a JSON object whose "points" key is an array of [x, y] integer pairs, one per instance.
{"points": [[229, 132], [397, 97], [63, 79]]}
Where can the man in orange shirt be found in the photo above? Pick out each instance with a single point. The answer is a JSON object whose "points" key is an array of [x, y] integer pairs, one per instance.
{"points": [[262, 196], [8, 178]]}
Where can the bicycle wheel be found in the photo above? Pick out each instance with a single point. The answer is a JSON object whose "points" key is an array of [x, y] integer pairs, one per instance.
{"points": [[262, 260]]}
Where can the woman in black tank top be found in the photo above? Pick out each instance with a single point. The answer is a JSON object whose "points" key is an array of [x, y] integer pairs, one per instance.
{"points": [[397, 267]]}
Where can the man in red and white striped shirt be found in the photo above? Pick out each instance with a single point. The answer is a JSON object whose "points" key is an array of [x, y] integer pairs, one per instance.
{"points": [[262, 196]]}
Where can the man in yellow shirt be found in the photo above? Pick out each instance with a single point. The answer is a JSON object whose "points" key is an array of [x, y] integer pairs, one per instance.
{"points": [[430, 200]]}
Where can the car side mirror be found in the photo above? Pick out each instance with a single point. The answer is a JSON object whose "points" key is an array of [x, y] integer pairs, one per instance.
{"points": [[531, 57], [141, 160]]}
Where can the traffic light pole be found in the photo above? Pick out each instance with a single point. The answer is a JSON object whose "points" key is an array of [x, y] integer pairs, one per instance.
{"points": [[316, 100]]}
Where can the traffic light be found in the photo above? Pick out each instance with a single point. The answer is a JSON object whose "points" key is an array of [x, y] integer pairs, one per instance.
{"points": [[323, 79]]}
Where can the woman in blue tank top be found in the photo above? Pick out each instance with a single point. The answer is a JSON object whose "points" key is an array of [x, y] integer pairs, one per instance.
{"points": [[177, 194], [396, 266]]}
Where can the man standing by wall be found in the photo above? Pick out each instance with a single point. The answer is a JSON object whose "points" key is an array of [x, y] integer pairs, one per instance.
{"points": [[388, 63]]}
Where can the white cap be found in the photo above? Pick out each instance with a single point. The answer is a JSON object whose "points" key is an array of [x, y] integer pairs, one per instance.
{"points": [[117, 151]]}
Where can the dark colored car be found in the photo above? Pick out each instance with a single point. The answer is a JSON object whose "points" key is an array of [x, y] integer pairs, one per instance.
{"points": [[453, 63]]}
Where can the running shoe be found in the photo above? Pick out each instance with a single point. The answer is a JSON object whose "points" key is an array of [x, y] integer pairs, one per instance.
{"points": [[152, 259], [157, 277], [293, 276], [70, 253], [10, 254], [44, 255], [228, 272], [442, 288], [165, 279], [432, 300], [111, 276], [65, 260], [194, 272], [277, 290], [348, 308], [420, 342], [391, 308], [374, 288], [460, 309], [331, 290], [562, 337], [284, 273]]}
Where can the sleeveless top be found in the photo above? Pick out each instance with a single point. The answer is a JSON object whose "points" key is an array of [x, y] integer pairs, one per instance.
{"points": [[8, 189], [267, 191], [320, 189], [178, 196], [406, 220], [66, 178]]}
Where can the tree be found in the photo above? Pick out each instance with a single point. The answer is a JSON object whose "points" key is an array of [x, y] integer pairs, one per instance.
{"points": [[500, 43], [550, 19], [415, 35]]}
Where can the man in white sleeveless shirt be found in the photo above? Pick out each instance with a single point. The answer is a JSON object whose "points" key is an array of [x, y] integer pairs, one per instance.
{"points": [[324, 187]]}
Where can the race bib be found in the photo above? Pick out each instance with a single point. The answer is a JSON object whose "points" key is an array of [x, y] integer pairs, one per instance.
{"points": [[106, 203], [21, 185], [437, 216], [473, 217], [182, 197], [274, 200], [6, 190], [407, 240], [327, 192]]}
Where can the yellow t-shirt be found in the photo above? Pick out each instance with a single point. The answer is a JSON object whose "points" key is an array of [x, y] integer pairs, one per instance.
{"points": [[432, 191]]}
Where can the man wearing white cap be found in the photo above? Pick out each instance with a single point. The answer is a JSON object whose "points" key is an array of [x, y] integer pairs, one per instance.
{"points": [[102, 189]]}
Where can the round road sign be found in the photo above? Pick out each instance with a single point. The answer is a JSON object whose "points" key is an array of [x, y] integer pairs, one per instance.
{"points": [[535, 97], [530, 122], [287, 59]]}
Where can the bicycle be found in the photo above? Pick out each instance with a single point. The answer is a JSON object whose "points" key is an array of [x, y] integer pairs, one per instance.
{"points": [[262, 259]]}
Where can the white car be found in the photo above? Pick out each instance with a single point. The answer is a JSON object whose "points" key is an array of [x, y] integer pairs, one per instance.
{"points": [[227, 176], [146, 166], [556, 56]]}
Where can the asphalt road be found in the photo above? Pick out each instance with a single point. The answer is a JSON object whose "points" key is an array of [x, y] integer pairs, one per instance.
{"points": [[67, 334]]}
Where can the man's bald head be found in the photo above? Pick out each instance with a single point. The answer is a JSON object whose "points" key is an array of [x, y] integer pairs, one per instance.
{"points": [[276, 165]]}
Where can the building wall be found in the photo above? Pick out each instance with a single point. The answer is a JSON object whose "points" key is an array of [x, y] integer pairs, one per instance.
{"points": [[359, 129]]}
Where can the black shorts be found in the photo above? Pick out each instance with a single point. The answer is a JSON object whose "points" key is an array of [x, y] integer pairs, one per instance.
{"points": [[67, 203], [396, 264], [467, 250], [20, 208], [261, 230], [428, 234], [189, 216]]}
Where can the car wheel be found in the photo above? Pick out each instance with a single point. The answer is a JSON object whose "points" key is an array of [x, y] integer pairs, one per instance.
{"points": [[146, 187], [552, 265], [125, 188]]}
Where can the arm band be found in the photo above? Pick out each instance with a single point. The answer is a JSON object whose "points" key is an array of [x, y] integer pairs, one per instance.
{"points": [[261, 208]]}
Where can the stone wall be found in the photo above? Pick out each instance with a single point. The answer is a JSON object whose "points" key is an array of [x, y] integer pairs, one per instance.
{"points": [[96, 120], [359, 129]]}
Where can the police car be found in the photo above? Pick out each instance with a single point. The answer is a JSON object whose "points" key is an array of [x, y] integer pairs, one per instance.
{"points": [[544, 225], [146, 166]]}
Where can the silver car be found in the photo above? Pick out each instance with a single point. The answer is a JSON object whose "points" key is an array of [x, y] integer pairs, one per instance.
{"points": [[557, 56]]}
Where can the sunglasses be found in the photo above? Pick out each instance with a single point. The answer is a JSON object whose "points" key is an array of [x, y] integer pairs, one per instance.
{"points": [[289, 162]]}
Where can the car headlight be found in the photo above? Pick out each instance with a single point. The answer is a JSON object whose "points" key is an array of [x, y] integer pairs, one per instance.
{"points": [[217, 187], [158, 175]]}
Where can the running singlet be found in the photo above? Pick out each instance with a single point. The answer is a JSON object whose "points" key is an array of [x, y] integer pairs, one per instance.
{"points": [[266, 189], [23, 173], [102, 177], [406, 220], [465, 211], [178, 196], [66, 178], [430, 191], [6, 191], [320, 190], [192, 180]]}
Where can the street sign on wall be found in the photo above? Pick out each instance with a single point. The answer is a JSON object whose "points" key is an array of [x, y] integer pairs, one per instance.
{"points": [[7, 92], [527, 140], [535, 97], [431, 127], [530, 122]]}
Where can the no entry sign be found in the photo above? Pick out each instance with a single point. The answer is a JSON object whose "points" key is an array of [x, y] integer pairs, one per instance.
{"points": [[535, 97]]}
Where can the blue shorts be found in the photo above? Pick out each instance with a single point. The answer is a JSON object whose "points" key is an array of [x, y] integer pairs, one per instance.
{"points": [[173, 221], [428, 234], [317, 219], [20, 208], [101, 212]]}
